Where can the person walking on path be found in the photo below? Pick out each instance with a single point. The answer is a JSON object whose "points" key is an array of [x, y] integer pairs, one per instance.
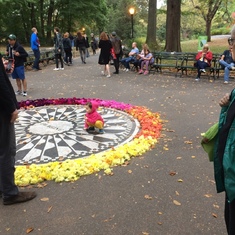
{"points": [[59, 50], [87, 44], [67, 49], [105, 53], [93, 43], [227, 63], [35, 44], [17, 52], [8, 115], [81, 45], [117, 46]]}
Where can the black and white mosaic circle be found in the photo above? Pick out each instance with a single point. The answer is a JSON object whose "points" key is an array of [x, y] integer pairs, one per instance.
{"points": [[51, 133]]}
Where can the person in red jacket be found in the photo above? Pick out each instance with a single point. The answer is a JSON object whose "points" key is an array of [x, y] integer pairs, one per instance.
{"points": [[92, 118], [203, 59]]}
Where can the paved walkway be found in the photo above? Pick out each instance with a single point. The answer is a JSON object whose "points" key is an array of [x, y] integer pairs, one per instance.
{"points": [[143, 201]]}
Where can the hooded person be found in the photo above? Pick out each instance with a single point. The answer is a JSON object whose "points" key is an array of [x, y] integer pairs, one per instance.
{"points": [[92, 118]]}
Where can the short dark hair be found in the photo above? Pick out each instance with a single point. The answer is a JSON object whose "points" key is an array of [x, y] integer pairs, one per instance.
{"points": [[89, 104], [57, 29]]}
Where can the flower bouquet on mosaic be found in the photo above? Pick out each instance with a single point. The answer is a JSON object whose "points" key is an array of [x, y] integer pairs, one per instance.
{"points": [[71, 170]]}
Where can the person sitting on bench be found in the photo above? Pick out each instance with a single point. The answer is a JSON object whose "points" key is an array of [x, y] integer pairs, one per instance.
{"points": [[227, 63], [203, 59]]}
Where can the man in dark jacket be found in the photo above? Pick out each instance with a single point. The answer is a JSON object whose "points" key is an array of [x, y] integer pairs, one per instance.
{"points": [[15, 51], [8, 114]]}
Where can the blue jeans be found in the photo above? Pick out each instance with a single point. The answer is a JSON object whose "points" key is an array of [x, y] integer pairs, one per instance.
{"points": [[126, 61], [7, 156], [200, 65], [37, 58], [227, 68]]}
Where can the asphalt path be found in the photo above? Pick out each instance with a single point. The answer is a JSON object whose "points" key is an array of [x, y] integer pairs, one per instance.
{"points": [[143, 201]]}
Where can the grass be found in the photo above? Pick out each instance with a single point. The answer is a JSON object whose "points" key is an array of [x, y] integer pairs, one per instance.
{"points": [[216, 46]]}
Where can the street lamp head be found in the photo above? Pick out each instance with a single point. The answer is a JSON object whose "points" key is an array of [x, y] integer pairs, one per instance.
{"points": [[132, 10]]}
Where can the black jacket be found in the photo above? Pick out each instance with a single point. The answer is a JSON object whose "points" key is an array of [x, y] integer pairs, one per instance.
{"points": [[19, 60], [8, 102]]}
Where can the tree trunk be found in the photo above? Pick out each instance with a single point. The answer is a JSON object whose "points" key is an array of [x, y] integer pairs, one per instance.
{"points": [[208, 30], [42, 31], [49, 20], [173, 26], [152, 21]]}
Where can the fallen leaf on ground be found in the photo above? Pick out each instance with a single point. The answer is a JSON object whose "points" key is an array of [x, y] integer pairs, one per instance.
{"points": [[208, 195], [29, 230], [176, 203], [180, 180], [44, 199], [148, 197], [49, 209], [172, 173], [214, 215]]}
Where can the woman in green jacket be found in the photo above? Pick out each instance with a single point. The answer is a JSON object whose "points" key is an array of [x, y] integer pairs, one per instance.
{"points": [[224, 158]]}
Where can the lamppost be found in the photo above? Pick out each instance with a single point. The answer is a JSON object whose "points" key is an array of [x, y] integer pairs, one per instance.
{"points": [[132, 11]]}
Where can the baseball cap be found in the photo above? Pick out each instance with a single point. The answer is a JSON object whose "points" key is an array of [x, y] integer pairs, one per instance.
{"points": [[12, 37], [114, 34]]}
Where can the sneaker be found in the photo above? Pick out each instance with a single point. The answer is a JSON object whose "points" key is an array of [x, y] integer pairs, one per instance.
{"points": [[20, 197], [108, 76], [127, 70], [203, 70], [233, 68], [146, 72], [18, 93], [116, 72], [225, 82], [61, 68], [197, 79], [102, 72], [101, 131], [56, 69], [90, 129], [124, 69], [24, 93], [141, 71]]}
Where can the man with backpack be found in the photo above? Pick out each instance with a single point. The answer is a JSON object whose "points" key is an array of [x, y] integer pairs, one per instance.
{"points": [[117, 46]]}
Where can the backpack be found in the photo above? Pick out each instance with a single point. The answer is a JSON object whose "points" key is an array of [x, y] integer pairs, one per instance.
{"points": [[116, 45]]}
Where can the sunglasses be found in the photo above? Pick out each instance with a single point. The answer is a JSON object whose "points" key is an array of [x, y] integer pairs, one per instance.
{"points": [[231, 41]]}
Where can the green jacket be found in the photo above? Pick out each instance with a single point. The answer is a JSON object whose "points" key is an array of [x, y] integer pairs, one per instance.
{"points": [[225, 171]]}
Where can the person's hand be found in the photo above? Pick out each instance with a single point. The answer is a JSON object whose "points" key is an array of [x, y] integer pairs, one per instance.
{"points": [[16, 53], [225, 100], [14, 116]]}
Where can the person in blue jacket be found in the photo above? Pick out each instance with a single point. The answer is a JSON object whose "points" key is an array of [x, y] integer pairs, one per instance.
{"points": [[35, 44]]}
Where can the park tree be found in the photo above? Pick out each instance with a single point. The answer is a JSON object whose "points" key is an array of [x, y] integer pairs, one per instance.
{"points": [[207, 9], [173, 25], [152, 23]]}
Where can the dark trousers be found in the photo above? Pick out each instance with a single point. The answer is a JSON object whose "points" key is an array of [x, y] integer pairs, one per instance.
{"points": [[57, 58], [68, 55], [116, 62], [229, 215], [37, 58], [7, 156], [200, 65]]}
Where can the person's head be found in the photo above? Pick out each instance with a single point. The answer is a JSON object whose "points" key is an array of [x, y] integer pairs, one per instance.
{"points": [[88, 107], [134, 44], [205, 48], [79, 35], [92, 35], [34, 30], [113, 34], [56, 30], [231, 40], [104, 36], [66, 35], [12, 39]]}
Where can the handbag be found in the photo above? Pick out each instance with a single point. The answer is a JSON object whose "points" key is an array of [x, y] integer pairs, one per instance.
{"points": [[209, 139]]}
